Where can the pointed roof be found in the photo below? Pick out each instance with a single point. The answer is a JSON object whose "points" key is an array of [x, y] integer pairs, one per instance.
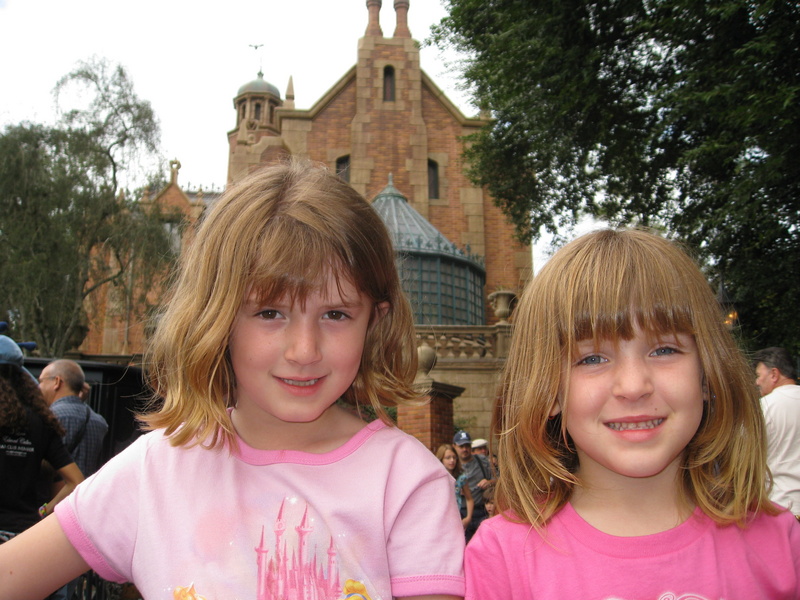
{"points": [[410, 231]]}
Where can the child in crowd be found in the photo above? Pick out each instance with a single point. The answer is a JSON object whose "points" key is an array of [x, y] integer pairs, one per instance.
{"points": [[488, 502], [464, 501], [631, 440], [256, 483]]}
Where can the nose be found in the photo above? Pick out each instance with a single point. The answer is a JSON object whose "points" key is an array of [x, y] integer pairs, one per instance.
{"points": [[632, 379], [303, 343]]}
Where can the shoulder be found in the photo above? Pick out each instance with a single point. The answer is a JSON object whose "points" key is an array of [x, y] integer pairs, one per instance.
{"points": [[782, 400], [403, 448]]}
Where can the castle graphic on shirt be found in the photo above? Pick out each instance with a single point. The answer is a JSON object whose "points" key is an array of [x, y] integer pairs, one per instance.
{"points": [[293, 572]]}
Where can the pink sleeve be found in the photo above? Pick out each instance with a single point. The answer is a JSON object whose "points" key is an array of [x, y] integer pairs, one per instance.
{"points": [[100, 518], [423, 516], [487, 572]]}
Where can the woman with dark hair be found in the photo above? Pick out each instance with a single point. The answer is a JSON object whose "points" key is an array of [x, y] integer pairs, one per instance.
{"points": [[29, 433]]}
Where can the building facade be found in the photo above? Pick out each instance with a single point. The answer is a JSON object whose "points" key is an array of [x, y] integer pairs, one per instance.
{"points": [[383, 121]]}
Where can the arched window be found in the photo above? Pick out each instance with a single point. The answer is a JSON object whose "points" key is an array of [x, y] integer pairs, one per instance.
{"points": [[388, 84], [433, 179], [257, 116], [343, 167]]}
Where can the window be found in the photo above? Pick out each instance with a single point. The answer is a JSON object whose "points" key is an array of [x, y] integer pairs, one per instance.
{"points": [[343, 167], [257, 116], [433, 179], [388, 84]]}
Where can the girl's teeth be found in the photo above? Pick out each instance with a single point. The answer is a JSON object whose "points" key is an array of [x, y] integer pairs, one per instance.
{"points": [[305, 383], [638, 425]]}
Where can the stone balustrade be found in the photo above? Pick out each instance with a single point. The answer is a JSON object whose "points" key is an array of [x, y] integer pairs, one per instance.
{"points": [[454, 342]]}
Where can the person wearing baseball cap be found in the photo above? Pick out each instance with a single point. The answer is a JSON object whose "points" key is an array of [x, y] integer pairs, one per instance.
{"points": [[11, 354], [480, 476], [480, 446], [29, 432]]}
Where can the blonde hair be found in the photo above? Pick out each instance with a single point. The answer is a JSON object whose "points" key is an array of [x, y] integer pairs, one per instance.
{"points": [[601, 287], [279, 232]]}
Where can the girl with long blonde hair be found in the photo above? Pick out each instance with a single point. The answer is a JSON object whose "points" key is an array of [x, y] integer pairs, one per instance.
{"points": [[631, 439]]}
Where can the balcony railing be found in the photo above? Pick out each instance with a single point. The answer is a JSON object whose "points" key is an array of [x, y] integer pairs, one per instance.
{"points": [[453, 342]]}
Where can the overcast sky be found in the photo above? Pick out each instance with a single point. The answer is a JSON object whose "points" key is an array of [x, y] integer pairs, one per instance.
{"points": [[189, 58]]}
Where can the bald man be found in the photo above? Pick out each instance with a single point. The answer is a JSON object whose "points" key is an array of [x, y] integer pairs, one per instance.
{"points": [[62, 382]]}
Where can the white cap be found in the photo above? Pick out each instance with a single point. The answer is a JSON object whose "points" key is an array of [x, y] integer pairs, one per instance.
{"points": [[479, 443]]}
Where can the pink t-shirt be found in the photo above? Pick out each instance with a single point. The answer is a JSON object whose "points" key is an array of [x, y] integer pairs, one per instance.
{"points": [[377, 512], [695, 561]]}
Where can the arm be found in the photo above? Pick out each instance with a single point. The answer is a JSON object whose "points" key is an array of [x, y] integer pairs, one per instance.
{"points": [[470, 504], [486, 465], [37, 562], [72, 476]]}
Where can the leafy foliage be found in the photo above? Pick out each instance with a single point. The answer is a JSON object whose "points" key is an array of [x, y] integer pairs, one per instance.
{"points": [[67, 230], [669, 113]]}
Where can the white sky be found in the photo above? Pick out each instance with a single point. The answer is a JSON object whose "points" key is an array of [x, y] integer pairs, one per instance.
{"points": [[189, 58]]}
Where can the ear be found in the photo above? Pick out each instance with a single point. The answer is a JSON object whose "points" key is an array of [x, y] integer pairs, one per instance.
{"points": [[381, 308], [556, 409]]}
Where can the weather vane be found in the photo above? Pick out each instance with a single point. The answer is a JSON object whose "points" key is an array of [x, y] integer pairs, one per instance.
{"points": [[260, 57]]}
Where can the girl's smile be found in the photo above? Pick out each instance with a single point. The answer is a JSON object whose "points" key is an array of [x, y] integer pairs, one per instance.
{"points": [[632, 406], [293, 361]]}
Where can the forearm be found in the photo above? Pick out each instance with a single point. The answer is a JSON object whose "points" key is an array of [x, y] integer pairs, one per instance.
{"points": [[37, 562]]}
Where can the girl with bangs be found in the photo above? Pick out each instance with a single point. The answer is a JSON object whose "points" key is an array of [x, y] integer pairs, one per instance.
{"points": [[632, 441], [255, 482]]}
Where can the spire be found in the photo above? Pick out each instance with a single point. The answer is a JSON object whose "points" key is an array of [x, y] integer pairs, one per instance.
{"points": [[401, 8], [374, 25], [289, 102]]}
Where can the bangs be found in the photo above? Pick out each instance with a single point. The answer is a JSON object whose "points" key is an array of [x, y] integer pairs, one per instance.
{"points": [[618, 287], [301, 267]]}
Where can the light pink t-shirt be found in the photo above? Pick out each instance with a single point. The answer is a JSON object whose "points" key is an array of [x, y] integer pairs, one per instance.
{"points": [[695, 561], [259, 525]]}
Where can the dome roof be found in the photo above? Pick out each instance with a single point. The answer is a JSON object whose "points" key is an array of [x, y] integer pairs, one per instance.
{"points": [[443, 283], [259, 86], [410, 231]]}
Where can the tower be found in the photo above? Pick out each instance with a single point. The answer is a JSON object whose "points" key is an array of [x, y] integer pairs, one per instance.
{"points": [[386, 115]]}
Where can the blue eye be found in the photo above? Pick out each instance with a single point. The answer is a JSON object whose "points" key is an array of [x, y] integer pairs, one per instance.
{"points": [[665, 351], [593, 359]]}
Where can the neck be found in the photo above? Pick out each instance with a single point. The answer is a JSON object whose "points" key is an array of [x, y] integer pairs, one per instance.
{"points": [[330, 431], [627, 507], [784, 381]]}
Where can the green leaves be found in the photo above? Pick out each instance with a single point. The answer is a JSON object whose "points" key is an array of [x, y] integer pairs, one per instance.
{"points": [[66, 228], [672, 113]]}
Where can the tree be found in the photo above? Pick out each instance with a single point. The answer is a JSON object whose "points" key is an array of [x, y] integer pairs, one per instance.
{"points": [[67, 230], [677, 114]]}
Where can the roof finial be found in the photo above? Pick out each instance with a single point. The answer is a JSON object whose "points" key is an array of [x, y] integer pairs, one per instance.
{"points": [[374, 24], [174, 167]]}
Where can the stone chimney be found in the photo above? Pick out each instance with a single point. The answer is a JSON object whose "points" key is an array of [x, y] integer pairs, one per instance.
{"points": [[374, 25]]}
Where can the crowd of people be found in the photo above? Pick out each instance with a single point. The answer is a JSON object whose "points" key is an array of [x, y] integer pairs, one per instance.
{"points": [[634, 456]]}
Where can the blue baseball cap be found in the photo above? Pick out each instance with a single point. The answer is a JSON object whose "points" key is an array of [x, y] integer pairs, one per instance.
{"points": [[461, 438], [10, 354]]}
